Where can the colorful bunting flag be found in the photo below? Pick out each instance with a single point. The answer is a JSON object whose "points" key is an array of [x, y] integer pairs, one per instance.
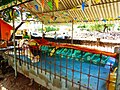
{"points": [[97, 1], [83, 6], [73, 8], [50, 5], [42, 4], [56, 2], [104, 20], [75, 18], [11, 14], [37, 8], [52, 17]]}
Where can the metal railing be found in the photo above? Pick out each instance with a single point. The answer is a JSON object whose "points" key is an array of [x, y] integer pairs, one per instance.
{"points": [[80, 70]]}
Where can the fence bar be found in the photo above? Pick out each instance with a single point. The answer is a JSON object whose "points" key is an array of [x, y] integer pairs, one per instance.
{"points": [[41, 60], [80, 70], [62, 66], [89, 75], [50, 68], [99, 72], [45, 62], [55, 67], [73, 73], [66, 72]]}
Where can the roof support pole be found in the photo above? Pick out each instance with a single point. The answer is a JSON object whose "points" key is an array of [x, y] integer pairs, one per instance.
{"points": [[72, 32], [15, 62]]}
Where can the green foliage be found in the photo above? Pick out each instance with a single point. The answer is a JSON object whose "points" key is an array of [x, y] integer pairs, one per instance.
{"points": [[118, 28], [82, 26], [97, 27], [6, 15], [51, 29]]}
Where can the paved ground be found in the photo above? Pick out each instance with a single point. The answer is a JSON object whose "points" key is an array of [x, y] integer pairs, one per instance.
{"points": [[9, 82]]}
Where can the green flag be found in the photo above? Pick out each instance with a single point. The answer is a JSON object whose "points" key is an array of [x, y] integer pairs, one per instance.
{"points": [[50, 5]]}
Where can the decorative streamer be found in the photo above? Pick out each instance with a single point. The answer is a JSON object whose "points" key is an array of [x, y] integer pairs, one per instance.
{"points": [[52, 17], [50, 5], [42, 4], [83, 6], [92, 20], [37, 8], [73, 8], [97, 1], [56, 2], [109, 19], [96, 20], [104, 20], [78, 20], [75, 18], [11, 14]]}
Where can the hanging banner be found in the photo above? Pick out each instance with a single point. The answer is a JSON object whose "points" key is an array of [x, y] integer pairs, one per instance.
{"points": [[56, 2], [50, 5]]}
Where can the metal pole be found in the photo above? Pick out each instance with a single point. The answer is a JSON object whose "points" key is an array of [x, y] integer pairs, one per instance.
{"points": [[72, 32], [15, 62]]}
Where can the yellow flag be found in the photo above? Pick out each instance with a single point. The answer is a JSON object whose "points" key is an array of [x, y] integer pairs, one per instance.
{"points": [[56, 2], [11, 14], [97, 1], [109, 19], [73, 8]]}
